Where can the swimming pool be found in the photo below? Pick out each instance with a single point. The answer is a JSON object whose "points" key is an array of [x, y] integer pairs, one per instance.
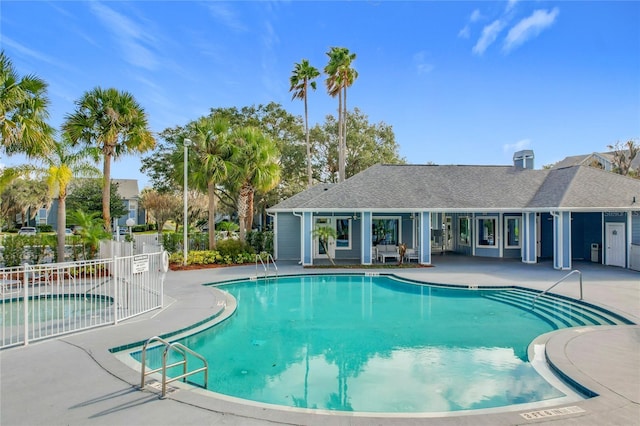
{"points": [[380, 344]]}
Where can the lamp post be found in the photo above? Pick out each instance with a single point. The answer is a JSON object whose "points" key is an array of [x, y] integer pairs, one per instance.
{"points": [[130, 223], [185, 242]]}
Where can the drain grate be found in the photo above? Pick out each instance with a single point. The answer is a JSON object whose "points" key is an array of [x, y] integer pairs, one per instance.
{"points": [[158, 386], [563, 411]]}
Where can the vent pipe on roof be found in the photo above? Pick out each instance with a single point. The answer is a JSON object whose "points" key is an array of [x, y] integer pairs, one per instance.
{"points": [[523, 159]]}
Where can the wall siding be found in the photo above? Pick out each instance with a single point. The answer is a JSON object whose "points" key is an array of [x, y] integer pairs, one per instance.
{"points": [[288, 238]]}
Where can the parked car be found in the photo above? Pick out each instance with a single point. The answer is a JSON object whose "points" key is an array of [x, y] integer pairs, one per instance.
{"points": [[68, 232], [27, 230]]}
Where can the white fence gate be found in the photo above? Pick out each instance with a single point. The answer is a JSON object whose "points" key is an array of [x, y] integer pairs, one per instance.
{"points": [[47, 300]]}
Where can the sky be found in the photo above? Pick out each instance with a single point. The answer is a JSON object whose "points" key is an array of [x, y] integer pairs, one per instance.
{"points": [[459, 82]]}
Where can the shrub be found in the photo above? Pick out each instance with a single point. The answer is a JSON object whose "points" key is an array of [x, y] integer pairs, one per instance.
{"points": [[45, 228], [233, 248], [171, 241], [13, 250]]}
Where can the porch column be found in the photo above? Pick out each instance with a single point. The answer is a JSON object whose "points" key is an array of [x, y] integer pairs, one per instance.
{"points": [[561, 240], [307, 238], [529, 236], [366, 239], [425, 238]]}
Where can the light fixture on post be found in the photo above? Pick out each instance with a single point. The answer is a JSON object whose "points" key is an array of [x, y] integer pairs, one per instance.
{"points": [[130, 222], [185, 241]]}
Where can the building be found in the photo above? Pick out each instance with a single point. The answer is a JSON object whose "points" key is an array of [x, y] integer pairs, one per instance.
{"points": [[515, 211], [127, 189]]}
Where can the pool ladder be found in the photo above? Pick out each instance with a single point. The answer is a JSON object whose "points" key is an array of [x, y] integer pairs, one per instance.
{"points": [[265, 266], [575, 271], [180, 349]]}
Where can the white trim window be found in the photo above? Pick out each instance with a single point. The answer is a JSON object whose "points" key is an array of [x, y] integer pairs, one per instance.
{"points": [[386, 230], [512, 229], [486, 231], [343, 232], [464, 231]]}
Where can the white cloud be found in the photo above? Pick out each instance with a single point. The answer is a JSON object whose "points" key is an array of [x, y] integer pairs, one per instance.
{"points": [[131, 36], [489, 35], [466, 31], [39, 56], [511, 4], [422, 65], [529, 27], [517, 146], [223, 13]]}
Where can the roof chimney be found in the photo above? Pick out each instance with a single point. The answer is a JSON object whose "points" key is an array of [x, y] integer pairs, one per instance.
{"points": [[523, 159]]}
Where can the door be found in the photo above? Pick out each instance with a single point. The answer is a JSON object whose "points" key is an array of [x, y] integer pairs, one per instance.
{"points": [[320, 250], [614, 240], [448, 235]]}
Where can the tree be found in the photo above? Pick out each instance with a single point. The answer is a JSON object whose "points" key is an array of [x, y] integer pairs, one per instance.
{"points": [[340, 76], [161, 205], [369, 144], [23, 112], [301, 78], [325, 234], [159, 166], [61, 167], [257, 169], [86, 195], [286, 130], [24, 197], [92, 231], [623, 156], [113, 122], [211, 161]]}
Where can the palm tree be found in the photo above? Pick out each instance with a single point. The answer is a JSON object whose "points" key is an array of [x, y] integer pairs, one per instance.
{"points": [[61, 167], [211, 162], [301, 78], [116, 124], [325, 234], [340, 76], [91, 230], [23, 112], [257, 169]]}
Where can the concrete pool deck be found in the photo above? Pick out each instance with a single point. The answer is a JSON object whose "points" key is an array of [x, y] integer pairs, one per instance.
{"points": [[75, 380]]}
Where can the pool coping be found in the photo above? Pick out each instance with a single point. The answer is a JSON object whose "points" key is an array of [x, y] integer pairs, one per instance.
{"points": [[189, 301]]}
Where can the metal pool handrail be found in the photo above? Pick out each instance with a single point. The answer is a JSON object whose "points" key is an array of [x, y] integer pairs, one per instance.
{"points": [[575, 271], [266, 266], [182, 350]]}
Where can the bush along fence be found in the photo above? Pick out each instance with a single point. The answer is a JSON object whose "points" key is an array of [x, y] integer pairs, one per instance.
{"points": [[229, 250], [47, 300]]}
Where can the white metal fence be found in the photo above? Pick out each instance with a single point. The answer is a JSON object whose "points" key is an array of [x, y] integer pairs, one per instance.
{"points": [[47, 300], [143, 243]]}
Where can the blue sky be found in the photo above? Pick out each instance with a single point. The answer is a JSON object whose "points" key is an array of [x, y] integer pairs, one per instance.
{"points": [[460, 82]]}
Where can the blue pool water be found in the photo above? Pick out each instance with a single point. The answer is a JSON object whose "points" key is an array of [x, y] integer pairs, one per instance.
{"points": [[47, 308], [376, 344]]}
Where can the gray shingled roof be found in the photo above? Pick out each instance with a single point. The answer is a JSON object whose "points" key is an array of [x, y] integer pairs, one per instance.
{"points": [[127, 188], [476, 188]]}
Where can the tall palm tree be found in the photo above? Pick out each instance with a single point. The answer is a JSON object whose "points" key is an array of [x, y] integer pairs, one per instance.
{"points": [[340, 76], [210, 161], [23, 112], [114, 122], [301, 78], [257, 169], [62, 166]]}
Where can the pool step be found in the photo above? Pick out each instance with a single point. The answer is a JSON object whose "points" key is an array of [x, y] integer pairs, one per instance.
{"points": [[558, 311]]}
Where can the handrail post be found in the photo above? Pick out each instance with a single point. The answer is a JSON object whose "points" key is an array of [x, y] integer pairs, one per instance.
{"points": [[533, 302]]}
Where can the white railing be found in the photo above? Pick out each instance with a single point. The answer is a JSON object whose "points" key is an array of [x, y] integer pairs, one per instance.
{"points": [[47, 300]]}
